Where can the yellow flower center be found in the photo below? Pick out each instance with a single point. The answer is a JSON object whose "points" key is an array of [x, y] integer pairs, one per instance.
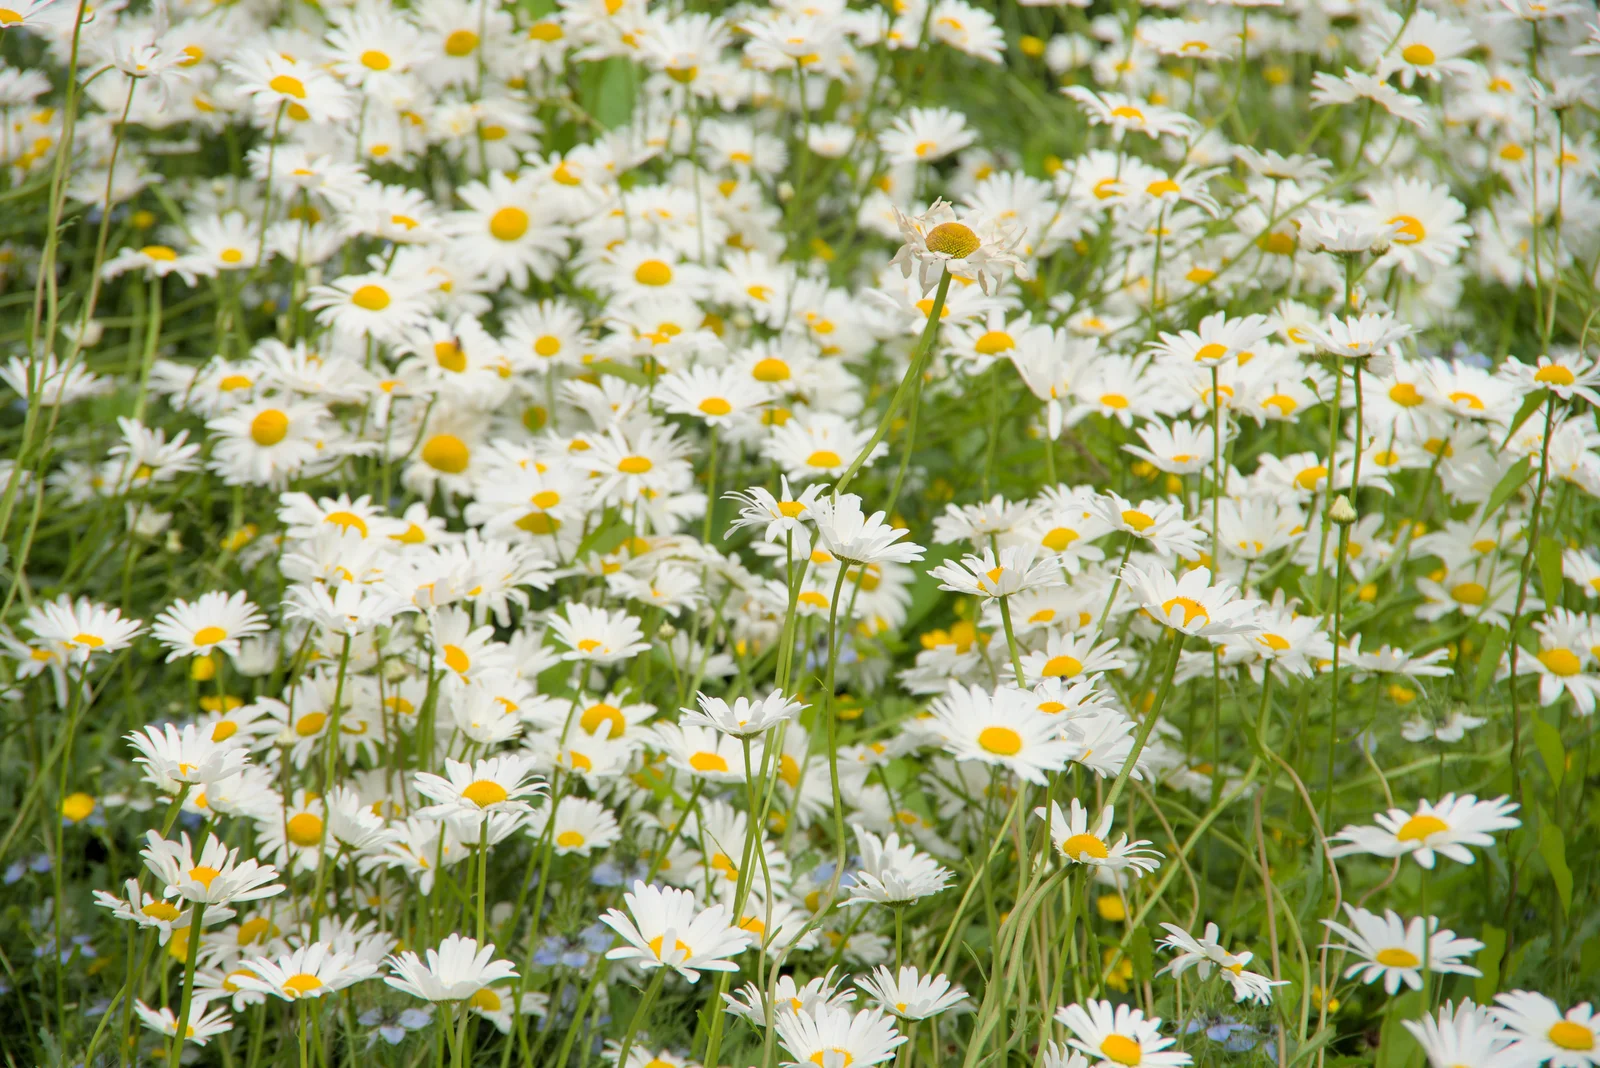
{"points": [[1192, 609], [372, 59], [1080, 845], [310, 723], [770, 369], [1405, 394], [231, 255], [485, 792], [456, 659], [817, 1057], [203, 874], [1308, 479], [953, 239], [1554, 375], [370, 297], [824, 458], [1123, 1050], [545, 31], [1210, 351], [678, 944], [1001, 741], [1418, 55], [460, 43], [715, 406], [995, 341], [601, 714], [304, 829], [447, 453], [288, 85], [1568, 1035], [269, 428], [486, 1000], [653, 273], [165, 911], [508, 224], [77, 807], [1275, 642], [1062, 667], [1561, 662], [1418, 828], [1138, 520], [570, 840], [301, 984], [1469, 593], [1396, 957], [1411, 229], [209, 635], [635, 465], [708, 761]]}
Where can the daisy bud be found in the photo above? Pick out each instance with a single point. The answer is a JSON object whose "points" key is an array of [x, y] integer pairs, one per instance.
{"points": [[1341, 511]]}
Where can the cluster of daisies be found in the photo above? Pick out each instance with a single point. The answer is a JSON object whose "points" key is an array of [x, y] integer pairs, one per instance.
{"points": [[616, 530]]}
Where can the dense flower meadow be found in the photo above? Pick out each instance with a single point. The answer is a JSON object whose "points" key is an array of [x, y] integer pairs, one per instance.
{"points": [[1034, 534]]}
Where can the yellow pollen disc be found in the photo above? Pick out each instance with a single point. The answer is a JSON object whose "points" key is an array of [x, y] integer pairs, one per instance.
{"points": [[1062, 667], [1405, 395], [310, 723], [754, 925], [1210, 351], [1396, 957], [846, 1059], [1082, 845], [1554, 375], [301, 984], [233, 382], [269, 428], [231, 255], [372, 59], [460, 43], [602, 714], [635, 465], [1471, 400], [570, 840], [224, 730], [305, 829], [1308, 479], [547, 346], [1114, 400], [707, 761], [1469, 593], [995, 341], [288, 85], [1001, 741], [587, 645], [508, 224], [447, 453], [1418, 828], [1043, 615], [1274, 642], [789, 770], [371, 298], [1568, 1035], [715, 406], [954, 239], [456, 659], [93, 641], [448, 354], [204, 874], [164, 911], [1058, 539], [485, 792], [653, 273], [678, 945], [1192, 609], [545, 31], [1122, 1050], [770, 369], [209, 635], [1127, 112], [1161, 187], [814, 599], [346, 521], [1561, 662], [824, 458], [1418, 55], [1285, 404], [1138, 520], [1411, 229], [486, 1000]]}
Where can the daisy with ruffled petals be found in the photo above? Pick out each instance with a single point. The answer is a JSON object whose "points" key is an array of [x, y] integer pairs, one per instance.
{"points": [[971, 246], [667, 930], [172, 756], [855, 537], [202, 1025], [1447, 827], [216, 621], [893, 874], [1206, 954], [911, 995], [217, 878], [1078, 842], [457, 970], [1192, 604], [1120, 1035]]}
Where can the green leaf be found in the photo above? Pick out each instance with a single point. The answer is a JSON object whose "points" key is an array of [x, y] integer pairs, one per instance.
{"points": [[1488, 961], [1553, 847], [1395, 1044], [1142, 952], [1488, 661], [1550, 570], [1509, 483], [1548, 738], [1589, 956], [1530, 404]]}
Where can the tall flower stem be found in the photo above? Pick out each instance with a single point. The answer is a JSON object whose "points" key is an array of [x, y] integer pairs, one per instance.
{"points": [[180, 1031], [641, 1014], [1150, 718], [1333, 675]]}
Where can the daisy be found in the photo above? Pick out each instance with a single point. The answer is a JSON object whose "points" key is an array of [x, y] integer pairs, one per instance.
{"points": [[189, 755], [358, 306], [1395, 952], [1207, 953], [911, 995], [1078, 843], [581, 826], [1430, 227], [457, 970], [1461, 1036], [705, 752], [923, 135], [1015, 571], [819, 445], [824, 1034], [1447, 827], [266, 441], [1161, 525], [1191, 604], [201, 1026], [1423, 45], [1542, 1034], [492, 785], [597, 635], [970, 246], [1125, 115], [82, 628], [218, 878], [714, 397], [216, 621], [857, 538], [278, 85], [743, 718], [1177, 448], [667, 930], [308, 972], [1119, 1034], [893, 874], [1331, 89], [1004, 728]]}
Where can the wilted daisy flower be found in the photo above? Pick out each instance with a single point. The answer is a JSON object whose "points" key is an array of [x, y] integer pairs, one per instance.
{"points": [[969, 246], [1395, 950], [1207, 953], [1446, 827], [1077, 841], [668, 930]]}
